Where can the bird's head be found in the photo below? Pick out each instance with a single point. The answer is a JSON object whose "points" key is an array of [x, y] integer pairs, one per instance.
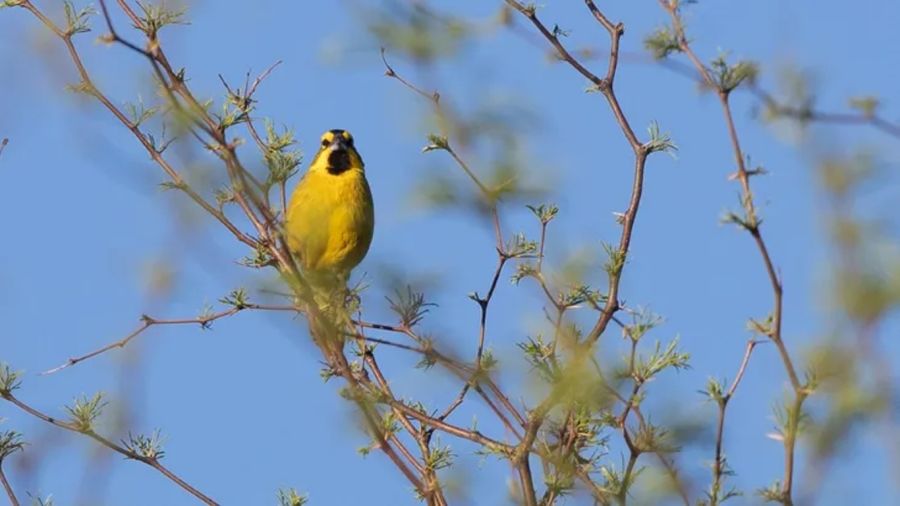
{"points": [[337, 154]]}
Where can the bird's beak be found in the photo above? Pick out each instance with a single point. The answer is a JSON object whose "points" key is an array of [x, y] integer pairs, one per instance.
{"points": [[339, 144]]}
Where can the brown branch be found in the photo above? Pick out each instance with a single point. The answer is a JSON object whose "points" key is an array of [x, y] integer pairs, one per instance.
{"points": [[666, 462], [460, 369], [628, 474], [246, 197], [393, 344], [245, 101], [434, 493], [752, 224], [801, 114], [147, 321], [523, 468], [487, 194], [471, 435], [269, 228], [740, 374], [384, 388], [358, 385], [872, 119], [606, 87], [530, 13], [719, 462], [6, 486], [155, 154], [150, 461], [483, 303]]}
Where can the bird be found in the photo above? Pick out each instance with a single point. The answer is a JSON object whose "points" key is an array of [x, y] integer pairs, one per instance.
{"points": [[330, 219]]}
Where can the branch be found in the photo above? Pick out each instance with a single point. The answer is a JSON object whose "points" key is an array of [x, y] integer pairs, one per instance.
{"points": [[147, 321], [331, 346], [803, 114], [530, 13], [722, 401], [156, 155], [605, 86], [471, 435], [255, 208], [523, 467], [491, 199], [6, 486], [871, 119], [435, 494], [483, 303], [752, 224], [150, 461], [462, 370], [666, 462]]}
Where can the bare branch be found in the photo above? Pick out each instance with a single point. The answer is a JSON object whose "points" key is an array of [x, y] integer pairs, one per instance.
{"points": [[7, 487], [752, 224], [147, 321], [150, 461]]}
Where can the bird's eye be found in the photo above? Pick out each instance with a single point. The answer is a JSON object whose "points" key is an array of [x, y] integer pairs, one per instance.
{"points": [[324, 143]]}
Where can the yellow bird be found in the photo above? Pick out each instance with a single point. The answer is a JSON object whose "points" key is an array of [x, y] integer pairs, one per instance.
{"points": [[331, 217]]}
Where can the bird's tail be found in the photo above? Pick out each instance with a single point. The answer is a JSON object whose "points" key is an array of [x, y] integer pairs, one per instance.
{"points": [[330, 319]]}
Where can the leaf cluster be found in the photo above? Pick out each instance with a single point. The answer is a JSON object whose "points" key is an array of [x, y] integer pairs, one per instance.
{"points": [[410, 306], [83, 413]]}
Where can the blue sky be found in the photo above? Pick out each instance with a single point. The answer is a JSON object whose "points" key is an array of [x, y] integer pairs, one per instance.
{"points": [[242, 405]]}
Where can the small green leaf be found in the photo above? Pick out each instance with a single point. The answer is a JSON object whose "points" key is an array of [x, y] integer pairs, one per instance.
{"points": [[523, 270], [659, 141], [559, 32], [237, 298], [544, 212], [662, 43], [436, 142], [146, 446], [867, 105], [290, 497], [85, 411], [157, 16], [519, 246], [409, 306], [77, 19], [10, 442], [9, 380], [728, 77]]}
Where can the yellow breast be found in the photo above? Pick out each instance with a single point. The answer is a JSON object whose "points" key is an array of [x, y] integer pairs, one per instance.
{"points": [[330, 220]]}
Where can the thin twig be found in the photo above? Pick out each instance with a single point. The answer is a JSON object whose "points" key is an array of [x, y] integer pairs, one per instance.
{"points": [[435, 493], [469, 434], [150, 461], [605, 86], [247, 198], [357, 385], [753, 227], [871, 119], [155, 154], [435, 99], [719, 462], [148, 321], [6, 486]]}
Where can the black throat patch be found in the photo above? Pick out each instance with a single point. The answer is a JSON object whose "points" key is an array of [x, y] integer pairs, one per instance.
{"points": [[338, 161]]}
